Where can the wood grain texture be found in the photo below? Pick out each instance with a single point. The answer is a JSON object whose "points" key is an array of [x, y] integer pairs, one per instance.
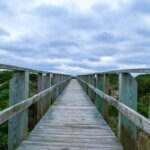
{"points": [[72, 123], [106, 90], [10, 112], [139, 120], [99, 100], [18, 125], [127, 130], [128, 96], [17, 68]]}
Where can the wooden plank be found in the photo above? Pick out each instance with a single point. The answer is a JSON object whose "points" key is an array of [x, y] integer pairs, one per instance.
{"points": [[89, 90], [139, 120], [106, 91], [86, 87], [93, 82], [128, 96], [16, 68], [53, 83], [99, 100], [18, 125], [47, 85], [72, 123], [19, 107], [40, 89], [138, 70]]}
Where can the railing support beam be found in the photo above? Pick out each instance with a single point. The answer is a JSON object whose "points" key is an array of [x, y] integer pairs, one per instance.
{"points": [[99, 100], [128, 95], [18, 125], [106, 91], [40, 89]]}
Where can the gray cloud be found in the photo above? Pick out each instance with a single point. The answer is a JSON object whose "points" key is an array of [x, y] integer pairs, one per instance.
{"points": [[141, 6], [74, 39], [3, 32], [144, 32]]}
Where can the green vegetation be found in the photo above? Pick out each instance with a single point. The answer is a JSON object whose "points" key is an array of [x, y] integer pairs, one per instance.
{"points": [[4, 99], [143, 99], [143, 82], [113, 79], [143, 94], [33, 85], [113, 112]]}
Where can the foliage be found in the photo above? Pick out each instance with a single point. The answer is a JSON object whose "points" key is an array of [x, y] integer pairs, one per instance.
{"points": [[33, 84], [3, 136], [143, 82], [5, 76], [113, 119], [143, 109], [113, 80], [143, 87], [4, 98]]}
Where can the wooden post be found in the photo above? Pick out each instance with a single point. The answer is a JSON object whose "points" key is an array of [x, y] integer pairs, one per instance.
{"points": [[55, 82], [18, 125], [46, 85], [39, 104], [57, 89], [106, 90], [127, 95], [93, 82], [99, 101], [60, 85], [53, 92], [86, 80], [59, 80], [89, 90]]}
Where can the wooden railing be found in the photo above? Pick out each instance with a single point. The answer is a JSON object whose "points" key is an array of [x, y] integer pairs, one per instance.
{"points": [[97, 87], [50, 85]]}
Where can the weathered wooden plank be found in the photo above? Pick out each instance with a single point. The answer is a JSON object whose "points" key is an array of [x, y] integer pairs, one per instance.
{"points": [[16, 68], [57, 147], [93, 82], [72, 122], [40, 89], [128, 96], [18, 125], [46, 100], [19, 107], [53, 83], [99, 100], [140, 70], [106, 91], [139, 120]]}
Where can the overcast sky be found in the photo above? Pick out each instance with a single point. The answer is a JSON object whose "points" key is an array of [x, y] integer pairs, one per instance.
{"points": [[75, 36]]}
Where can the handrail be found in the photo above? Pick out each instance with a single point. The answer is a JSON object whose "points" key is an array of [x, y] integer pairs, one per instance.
{"points": [[138, 70], [16, 68], [17, 108], [139, 120]]}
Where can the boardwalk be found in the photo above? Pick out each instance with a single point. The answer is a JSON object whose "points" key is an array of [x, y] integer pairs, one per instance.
{"points": [[72, 123]]}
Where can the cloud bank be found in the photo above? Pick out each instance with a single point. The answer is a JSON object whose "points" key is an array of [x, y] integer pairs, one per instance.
{"points": [[77, 36]]}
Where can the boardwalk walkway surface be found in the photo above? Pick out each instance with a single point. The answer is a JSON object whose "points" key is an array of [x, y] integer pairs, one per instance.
{"points": [[72, 123]]}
